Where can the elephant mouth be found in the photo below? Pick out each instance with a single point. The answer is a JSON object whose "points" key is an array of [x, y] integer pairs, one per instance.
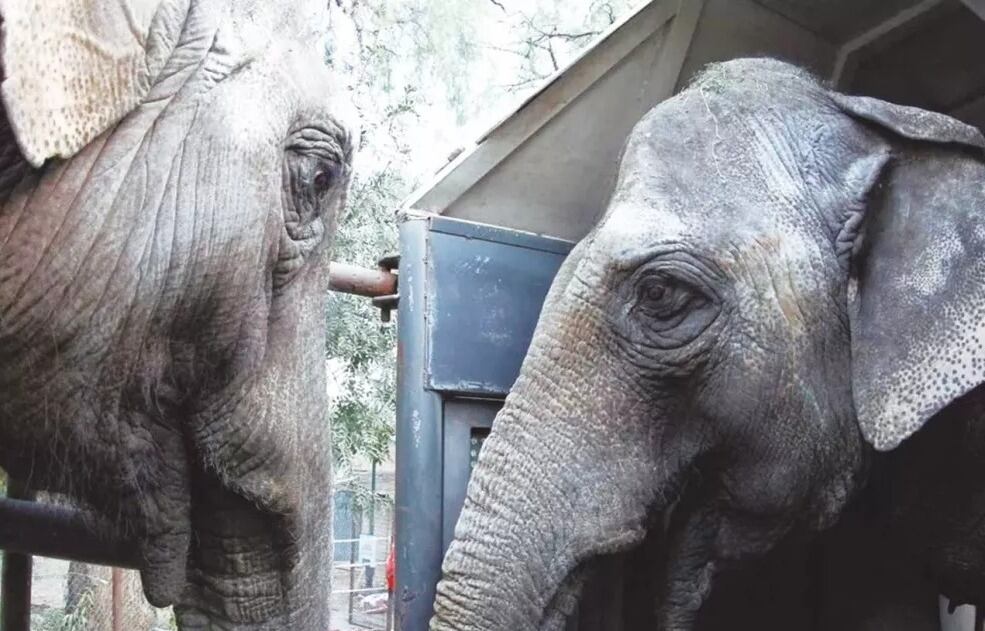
{"points": [[564, 602], [631, 556]]}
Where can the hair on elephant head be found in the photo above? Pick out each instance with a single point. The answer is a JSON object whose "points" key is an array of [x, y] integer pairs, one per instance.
{"points": [[783, 273], [171, 175]]}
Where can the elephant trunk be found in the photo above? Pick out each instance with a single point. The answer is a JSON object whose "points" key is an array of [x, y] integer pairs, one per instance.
{"points": [[252, 569], [514, 545], [542, 505]]}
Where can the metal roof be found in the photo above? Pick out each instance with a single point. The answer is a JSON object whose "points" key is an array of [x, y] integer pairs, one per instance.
{"points": [[549, 166]]}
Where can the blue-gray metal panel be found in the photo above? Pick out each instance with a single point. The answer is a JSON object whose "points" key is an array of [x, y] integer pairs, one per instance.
{"points": [[462, 418], [473, 230], [485, 292], [418, 493], [469, 295]]}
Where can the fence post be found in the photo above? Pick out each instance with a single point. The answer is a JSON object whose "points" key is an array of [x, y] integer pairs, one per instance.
{"points": [[116, 579], [16, 593]]}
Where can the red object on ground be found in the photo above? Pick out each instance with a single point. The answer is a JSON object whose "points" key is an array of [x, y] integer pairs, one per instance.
{"points": [[391, 569]]}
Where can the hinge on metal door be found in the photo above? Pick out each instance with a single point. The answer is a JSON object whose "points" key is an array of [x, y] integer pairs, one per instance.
{"points": [[389, 302]]}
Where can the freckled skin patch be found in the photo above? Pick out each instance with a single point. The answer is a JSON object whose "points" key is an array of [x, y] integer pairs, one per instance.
{"points": [[781, 271], [915, 364]]}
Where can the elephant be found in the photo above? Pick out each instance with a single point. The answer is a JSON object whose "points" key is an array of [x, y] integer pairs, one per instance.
{"points": [[786, 285], [171, 176]]}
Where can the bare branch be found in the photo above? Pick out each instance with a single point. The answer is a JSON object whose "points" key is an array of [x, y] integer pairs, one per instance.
{"points": [[523, 83], [550, 51]]}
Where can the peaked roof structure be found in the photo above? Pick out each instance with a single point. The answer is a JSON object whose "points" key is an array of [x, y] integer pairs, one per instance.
{"points": [[549, 166]]}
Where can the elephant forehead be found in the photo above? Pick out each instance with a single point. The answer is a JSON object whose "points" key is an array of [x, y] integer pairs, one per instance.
{"points": [[764, 257], [725, 181], [327, 97], [630, 225], [752, 197], [280, 99], [711, 210], [724, 165], [734, 132]]}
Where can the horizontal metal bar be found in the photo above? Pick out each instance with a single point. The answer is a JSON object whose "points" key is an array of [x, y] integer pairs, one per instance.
{"points": [[367, 537], [361, 281], [61, 533], [365, 590], [356, 566]]}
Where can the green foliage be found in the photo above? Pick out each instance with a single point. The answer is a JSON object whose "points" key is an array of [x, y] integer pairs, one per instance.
{"points": [[361, 497], [402, 46], [423, 46], [59, 620], [425, 75]]}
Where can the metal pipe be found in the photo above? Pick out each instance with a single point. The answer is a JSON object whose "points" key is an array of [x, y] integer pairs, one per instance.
{"points": [[60, 533], [352, 279], [15, 596]]}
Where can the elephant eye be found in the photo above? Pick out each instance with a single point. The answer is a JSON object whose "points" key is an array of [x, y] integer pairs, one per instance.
{"points": [[661, 298], [317, 160], [654, 292], [325, 178], [668, 303]]}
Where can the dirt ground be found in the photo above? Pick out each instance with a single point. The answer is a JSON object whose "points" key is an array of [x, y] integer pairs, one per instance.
{"points": [[49, 592]]}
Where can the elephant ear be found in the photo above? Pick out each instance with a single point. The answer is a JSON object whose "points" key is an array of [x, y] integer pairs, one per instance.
{"points": [[74, 68], [917, 294]]}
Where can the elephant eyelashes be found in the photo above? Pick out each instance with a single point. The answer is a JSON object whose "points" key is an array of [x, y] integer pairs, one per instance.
{"points": [[666, 311], [325, 180], [663, 298], [317, 176]]}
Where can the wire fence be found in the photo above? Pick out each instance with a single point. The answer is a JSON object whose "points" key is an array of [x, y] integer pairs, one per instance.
{"points": [[72, 596], [362, 532]]}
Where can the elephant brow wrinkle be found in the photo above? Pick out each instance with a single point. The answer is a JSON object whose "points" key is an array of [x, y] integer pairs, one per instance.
{"points": [[632, 258]]}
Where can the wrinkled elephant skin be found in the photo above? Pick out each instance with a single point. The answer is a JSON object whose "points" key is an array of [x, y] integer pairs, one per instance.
{"points": [[170, 177], [785, 281]]}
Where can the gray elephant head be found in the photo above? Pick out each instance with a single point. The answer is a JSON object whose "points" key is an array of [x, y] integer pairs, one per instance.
{"points": [[783, 273], [171, 174]]}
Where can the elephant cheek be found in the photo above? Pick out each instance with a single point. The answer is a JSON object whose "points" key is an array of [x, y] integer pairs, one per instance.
{"points": [[261, 553]]}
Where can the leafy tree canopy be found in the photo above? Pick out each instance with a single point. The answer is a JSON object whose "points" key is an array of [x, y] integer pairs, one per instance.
{"points": [[425, 74]]}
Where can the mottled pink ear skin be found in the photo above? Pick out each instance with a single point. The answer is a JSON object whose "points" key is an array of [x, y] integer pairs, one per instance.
{"points": [[918, 278], [73, 69]]}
